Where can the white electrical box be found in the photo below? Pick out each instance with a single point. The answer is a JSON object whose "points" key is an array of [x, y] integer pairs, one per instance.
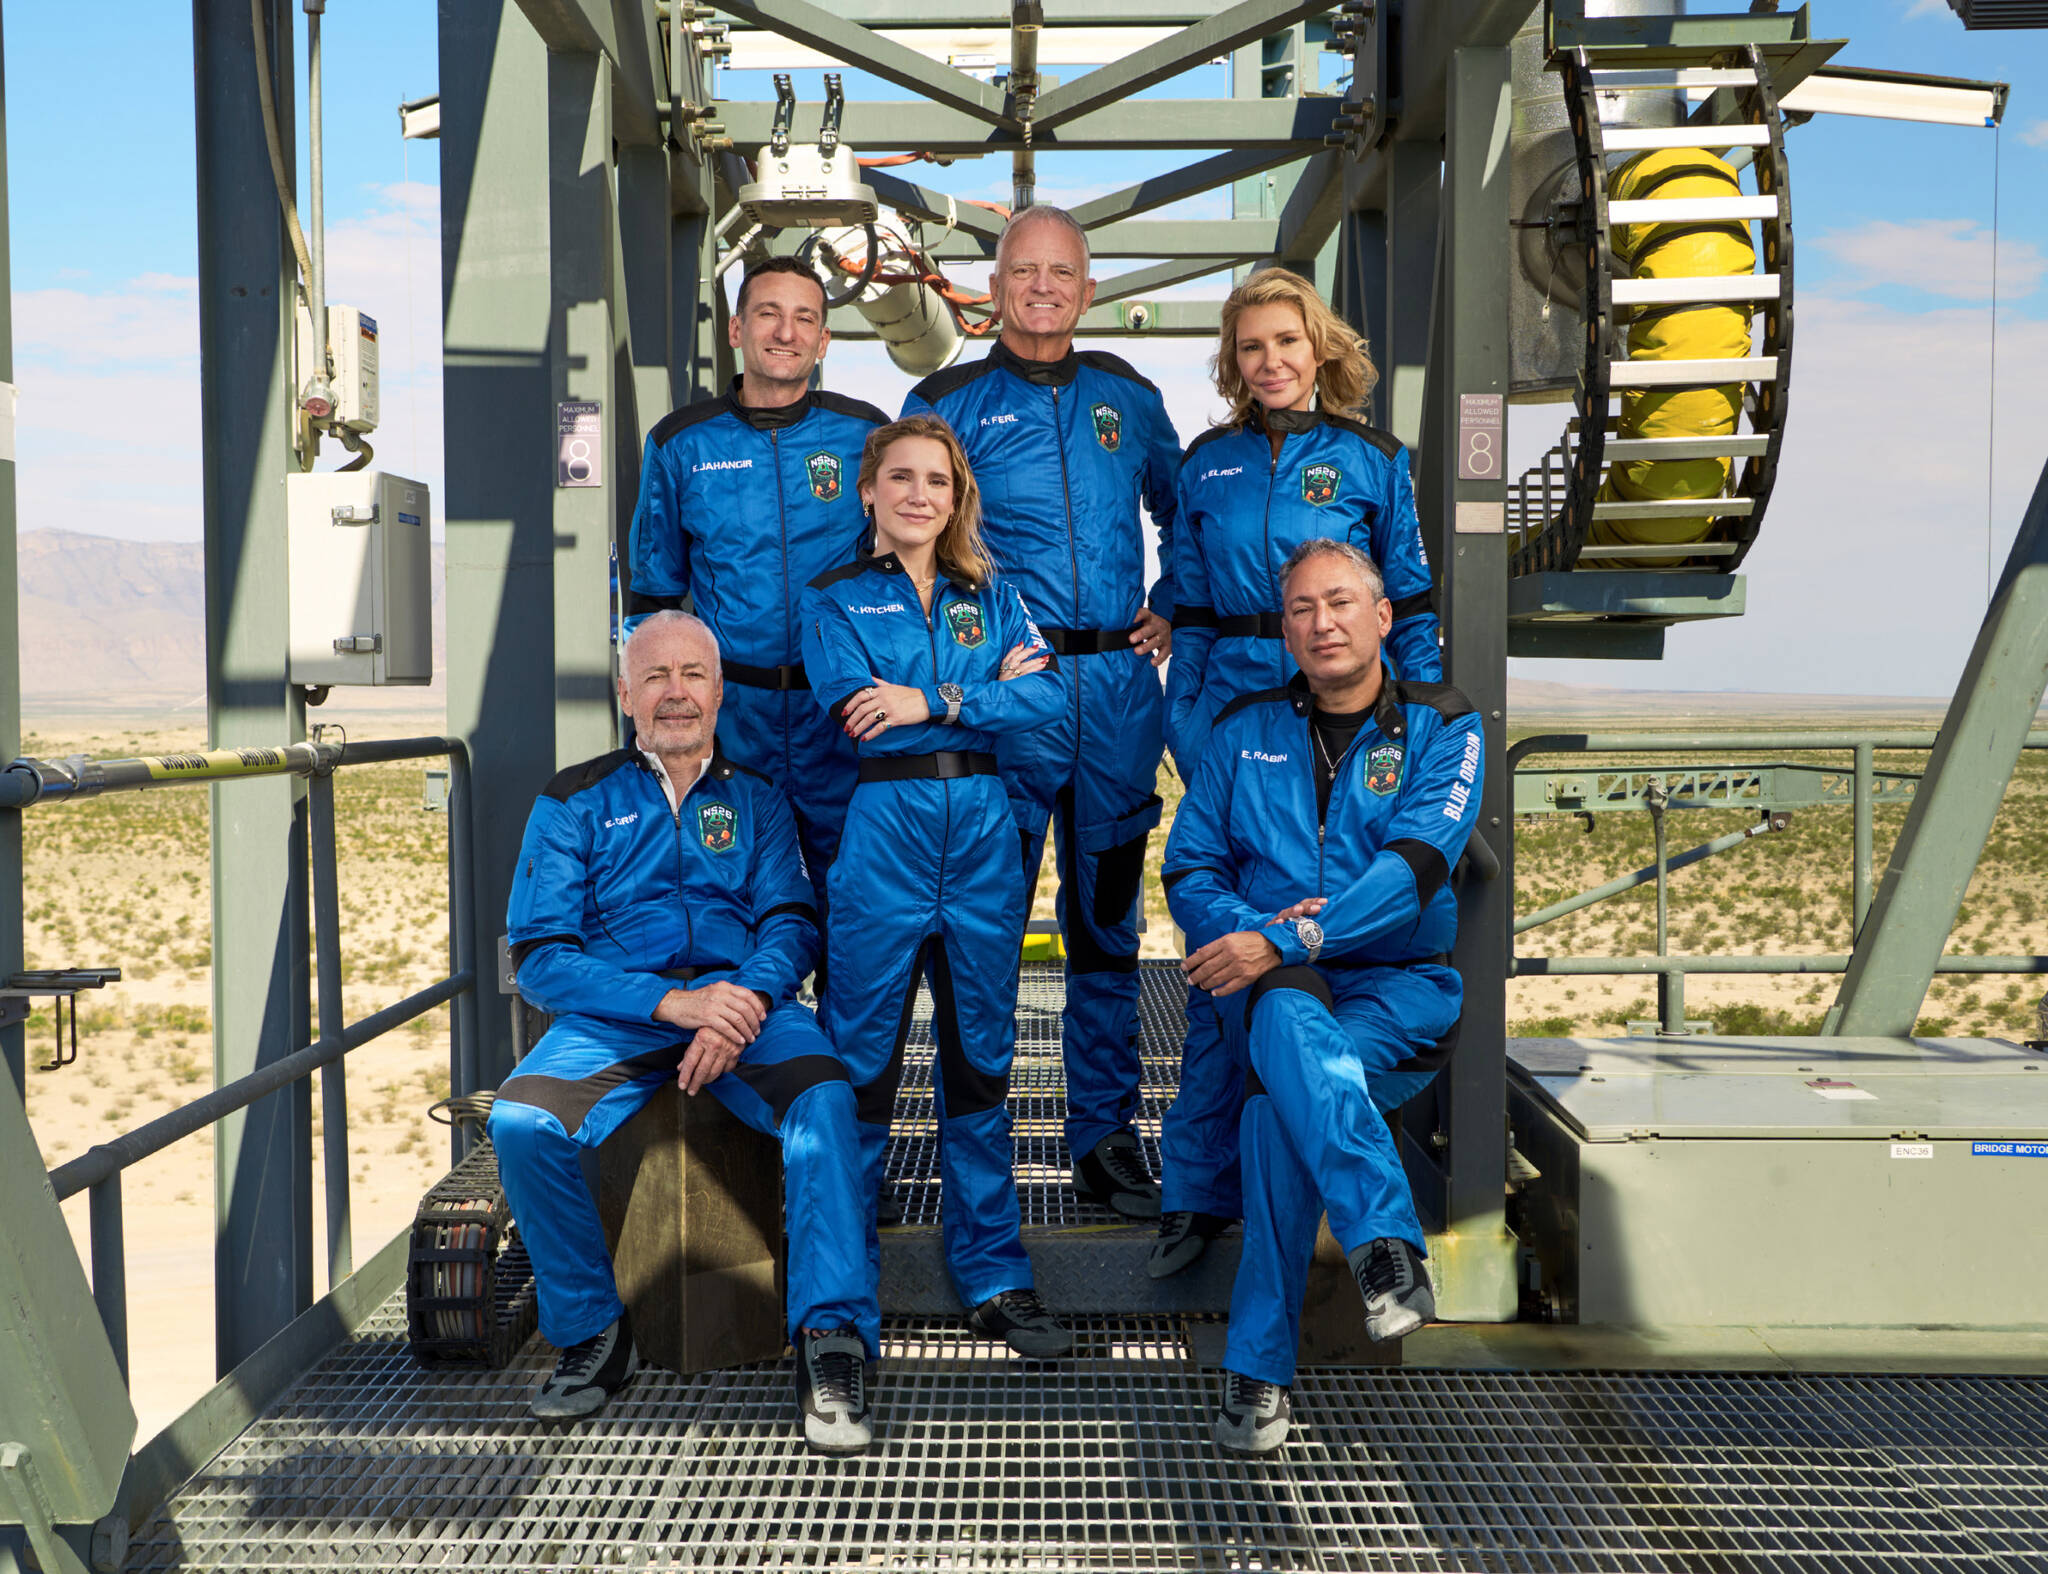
{"points": [[352, 346], [807, 186], [361, 597]]}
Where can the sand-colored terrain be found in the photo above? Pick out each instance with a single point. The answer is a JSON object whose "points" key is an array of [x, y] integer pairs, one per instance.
{"points": [[124, 881]]}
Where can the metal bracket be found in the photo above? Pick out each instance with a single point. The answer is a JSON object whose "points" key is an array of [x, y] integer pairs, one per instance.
{"points": [[785, 115], [355, 513], [835, 106], [359, 644], [22, 1491]]}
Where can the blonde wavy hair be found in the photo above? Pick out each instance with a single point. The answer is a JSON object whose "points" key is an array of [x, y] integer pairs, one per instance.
{"points": [[1345, 375], [959, 551]]}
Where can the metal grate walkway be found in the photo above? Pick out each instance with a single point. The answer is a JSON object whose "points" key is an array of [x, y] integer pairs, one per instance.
{"points": [[985, 1462]]}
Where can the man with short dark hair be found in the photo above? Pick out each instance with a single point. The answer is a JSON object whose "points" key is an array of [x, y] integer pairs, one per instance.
{"points": [[661, 911], [1066, 446], [744, 500], [1309, 865]]}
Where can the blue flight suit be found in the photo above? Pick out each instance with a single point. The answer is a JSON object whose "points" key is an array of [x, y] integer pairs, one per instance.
{"points": [[616, 901], [927, 879], [1363, 1028], [1242, 512], [739, 509], [1064, 453]]}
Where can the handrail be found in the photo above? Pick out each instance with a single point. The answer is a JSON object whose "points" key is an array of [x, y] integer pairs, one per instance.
{"points": [[28, 781], [1691, 742]]}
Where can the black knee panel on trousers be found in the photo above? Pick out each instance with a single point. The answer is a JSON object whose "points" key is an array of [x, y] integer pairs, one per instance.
{"points": [[967, 1088], [1299, 976], [781, 1084]]}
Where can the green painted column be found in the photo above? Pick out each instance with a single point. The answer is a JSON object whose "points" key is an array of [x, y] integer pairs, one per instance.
{"points": [[583, 366], [500, 422], [1414, 197], [261, 984], [1975, 753], [1474, 1263]]}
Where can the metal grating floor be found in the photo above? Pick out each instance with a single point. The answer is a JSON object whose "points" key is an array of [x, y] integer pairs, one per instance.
{"points": [[985, 1462]]}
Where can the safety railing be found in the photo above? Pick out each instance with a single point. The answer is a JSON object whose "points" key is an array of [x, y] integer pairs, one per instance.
{"points": [[98, 1170], [1671, 971]]}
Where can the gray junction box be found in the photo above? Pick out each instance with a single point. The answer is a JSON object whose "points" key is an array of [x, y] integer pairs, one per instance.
{"points": [[1839, 1182], [361, 592]]}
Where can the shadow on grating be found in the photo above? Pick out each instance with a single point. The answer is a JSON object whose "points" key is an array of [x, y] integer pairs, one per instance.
{"points": [[1104, 1461]]}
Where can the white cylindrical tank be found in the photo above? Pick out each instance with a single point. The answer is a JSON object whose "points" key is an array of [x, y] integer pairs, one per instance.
{"points": [[911, 319]]}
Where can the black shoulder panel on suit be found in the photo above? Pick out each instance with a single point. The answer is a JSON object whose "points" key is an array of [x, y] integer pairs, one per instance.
{"points": [[1117, 366], [681, 420], [859, 409], [833, 576], [1256, 697], [1209, 436], [1386, 442], [566, 784], [1446, 701], [959, 375]]}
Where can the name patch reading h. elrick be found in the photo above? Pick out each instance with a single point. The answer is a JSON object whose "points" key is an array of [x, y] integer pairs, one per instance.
{"points": [[717, 826], [1383, 768], [964, 619], [824, 472]]}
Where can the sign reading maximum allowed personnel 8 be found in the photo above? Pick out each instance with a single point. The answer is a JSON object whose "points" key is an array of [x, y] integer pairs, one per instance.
{"points": [[1481, 423]]}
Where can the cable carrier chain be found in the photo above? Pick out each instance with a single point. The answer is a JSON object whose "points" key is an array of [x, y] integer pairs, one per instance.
{"points": [[1658, 235]]}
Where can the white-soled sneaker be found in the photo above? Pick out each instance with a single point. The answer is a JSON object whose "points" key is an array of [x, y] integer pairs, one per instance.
{"points": [[1255, 1415], [587, 1375], [832, 1391], [1395, 1283]]}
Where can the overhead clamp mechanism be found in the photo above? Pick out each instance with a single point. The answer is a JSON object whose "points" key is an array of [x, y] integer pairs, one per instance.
{"points": [[61, 984]]}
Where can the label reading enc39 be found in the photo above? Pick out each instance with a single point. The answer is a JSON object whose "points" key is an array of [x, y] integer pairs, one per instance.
{"points": [[2009, 1150]]}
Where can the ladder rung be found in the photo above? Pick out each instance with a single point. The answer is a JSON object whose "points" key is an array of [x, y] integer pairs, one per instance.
{"points": [[1692, 374], [1675, 508], [1660, 549], [1690, 210], [1630, 139], [1724, 287], [1729, 447], [1680, 76]]}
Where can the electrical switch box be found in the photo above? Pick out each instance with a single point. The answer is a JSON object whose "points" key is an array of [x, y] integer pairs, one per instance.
{"points": [[361, 598], [352, 342]]}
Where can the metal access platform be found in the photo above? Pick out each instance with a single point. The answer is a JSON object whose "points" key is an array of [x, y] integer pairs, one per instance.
{"points": [[1468, 1456]]}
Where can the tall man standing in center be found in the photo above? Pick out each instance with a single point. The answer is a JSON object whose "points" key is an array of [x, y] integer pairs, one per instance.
{"points": [[1066, 445]]}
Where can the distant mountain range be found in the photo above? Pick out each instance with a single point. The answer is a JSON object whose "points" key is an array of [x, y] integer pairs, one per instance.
{"points": [[122, 624]]}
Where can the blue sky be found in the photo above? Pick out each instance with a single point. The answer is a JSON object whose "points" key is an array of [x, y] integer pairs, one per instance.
{"points": [[1881, 511]]}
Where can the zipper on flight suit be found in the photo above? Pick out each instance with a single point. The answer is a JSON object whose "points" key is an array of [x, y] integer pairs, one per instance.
{"points": [[932, 643], [788, 632], [1059, 438]]}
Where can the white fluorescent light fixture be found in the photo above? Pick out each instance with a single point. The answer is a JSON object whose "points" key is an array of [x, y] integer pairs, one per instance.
{"points": [[1897, 95], [420, 120]]}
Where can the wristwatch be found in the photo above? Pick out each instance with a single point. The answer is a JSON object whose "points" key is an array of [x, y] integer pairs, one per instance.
{"points": [[953, 695], [1310, 934]]}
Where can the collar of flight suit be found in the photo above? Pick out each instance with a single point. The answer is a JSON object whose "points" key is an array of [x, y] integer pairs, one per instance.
{"points": [[718, 768], [1046, 374], [1386, 710], [890, 563], [1285, 422], [768, 418]]}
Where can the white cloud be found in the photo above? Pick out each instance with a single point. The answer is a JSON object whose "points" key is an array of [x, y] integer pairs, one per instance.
{"points": [[2036, 135], [1947, 257], [1922, 9]]}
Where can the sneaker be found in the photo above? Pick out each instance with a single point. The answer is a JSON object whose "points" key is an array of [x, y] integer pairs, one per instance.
{"points": [[1395, 1283], [587, 1375], [888, 1207], [1023, 1322], [832, 1391], [1183, 1236], [1254, 1417], [1113, 1173]]}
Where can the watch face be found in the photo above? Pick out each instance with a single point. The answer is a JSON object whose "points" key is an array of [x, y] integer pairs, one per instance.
{"points": [[951, 692], [1308, 932]]}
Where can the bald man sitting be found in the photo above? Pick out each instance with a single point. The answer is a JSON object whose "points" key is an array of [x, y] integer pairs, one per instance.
{"points": [[662, 912]]}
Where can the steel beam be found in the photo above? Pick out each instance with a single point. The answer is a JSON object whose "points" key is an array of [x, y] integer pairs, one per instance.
{"points": [[263, 1268], [1160, 320], [1190, 180], [499, 416], [1414, 202], [1189, 240], [1243, 23], [592, 27], [1160, 276], [881, 125], [995, 13], [1476, 1280], [921, 202], [1309, 217], [1361, 293], [13, 1054], [848, 41], [1995, 703]]}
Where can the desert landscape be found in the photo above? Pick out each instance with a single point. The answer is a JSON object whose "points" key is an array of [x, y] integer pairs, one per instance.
{"points": [[123, 881]]}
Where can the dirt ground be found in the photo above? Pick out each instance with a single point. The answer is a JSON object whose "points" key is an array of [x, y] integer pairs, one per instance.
{"points": [[124, 881]]}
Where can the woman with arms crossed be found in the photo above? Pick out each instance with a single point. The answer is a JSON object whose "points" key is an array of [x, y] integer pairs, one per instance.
{"points": [[925, 654], [1292, 461]]}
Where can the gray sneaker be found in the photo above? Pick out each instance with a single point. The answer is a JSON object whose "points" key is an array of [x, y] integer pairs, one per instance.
{"points": [[587, 1375], [1023, 1322], [1183, 1236], [1395, 1283], [832, 1391], [1255, 1415], [1113, 1173]]}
